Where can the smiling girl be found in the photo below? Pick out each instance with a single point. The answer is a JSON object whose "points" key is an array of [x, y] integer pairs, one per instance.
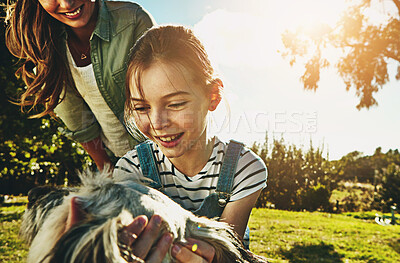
{"points": [[74, 64], [171, 88]]}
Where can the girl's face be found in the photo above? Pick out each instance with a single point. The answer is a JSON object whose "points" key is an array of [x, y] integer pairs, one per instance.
{"points": [[172, 110], [73, 13]]}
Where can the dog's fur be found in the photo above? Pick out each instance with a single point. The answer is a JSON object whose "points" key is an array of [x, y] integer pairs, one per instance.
{"points": [[109, 205]]}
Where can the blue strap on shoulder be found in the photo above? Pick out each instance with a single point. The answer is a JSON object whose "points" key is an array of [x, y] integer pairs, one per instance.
{"points": [[148, 164], [228, 169]]}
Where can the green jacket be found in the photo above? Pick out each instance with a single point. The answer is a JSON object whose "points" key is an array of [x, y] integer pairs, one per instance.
{"points": [[118, 27]]}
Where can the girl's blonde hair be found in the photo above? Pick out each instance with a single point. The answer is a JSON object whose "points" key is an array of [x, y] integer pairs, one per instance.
{"points": [[168, 44], [33, 36]]}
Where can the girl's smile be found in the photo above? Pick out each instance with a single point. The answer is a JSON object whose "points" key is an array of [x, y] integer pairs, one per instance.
{"points": [[169, 141]]}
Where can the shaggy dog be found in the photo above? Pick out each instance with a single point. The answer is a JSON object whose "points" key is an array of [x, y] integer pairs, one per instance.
{"points": [[110, 205]]}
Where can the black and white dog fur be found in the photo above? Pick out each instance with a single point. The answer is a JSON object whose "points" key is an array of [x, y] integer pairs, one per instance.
{"points": [[110, 204]]}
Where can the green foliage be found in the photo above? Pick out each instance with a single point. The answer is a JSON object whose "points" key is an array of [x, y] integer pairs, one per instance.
{"points": [[314, 198], [355, 196], [302, 179], [365, 169], [355, 165], [365, 50], [292, 173], [390, 191], [32, 151], [284, 164]]}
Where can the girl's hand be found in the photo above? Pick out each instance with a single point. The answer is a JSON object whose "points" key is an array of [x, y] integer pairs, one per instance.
{"points": [[148, 231], [192, 251], [195, 251], [140, 247]]}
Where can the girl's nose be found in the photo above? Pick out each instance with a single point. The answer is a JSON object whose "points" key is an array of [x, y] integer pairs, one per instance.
{"points": [[67, 4], [159, 120]]}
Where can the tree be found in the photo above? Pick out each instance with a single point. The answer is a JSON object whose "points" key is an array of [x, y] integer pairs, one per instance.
{"points": [[366, 48], [284, 175], [313, 198], [294, 178], [356, 167], [32, 151], [390, 191]]}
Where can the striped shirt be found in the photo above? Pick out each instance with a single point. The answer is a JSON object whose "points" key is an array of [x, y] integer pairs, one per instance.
{"points": [[250, 175]]}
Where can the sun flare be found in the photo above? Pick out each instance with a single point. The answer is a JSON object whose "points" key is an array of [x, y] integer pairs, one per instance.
{"points": [[310, 13]]}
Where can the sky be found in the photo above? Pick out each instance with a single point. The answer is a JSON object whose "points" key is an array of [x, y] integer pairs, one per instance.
{"points": [[264, 92]]}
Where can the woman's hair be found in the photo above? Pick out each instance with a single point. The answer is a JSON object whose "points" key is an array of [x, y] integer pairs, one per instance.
{"points": [[173, 45], [33, 36]]}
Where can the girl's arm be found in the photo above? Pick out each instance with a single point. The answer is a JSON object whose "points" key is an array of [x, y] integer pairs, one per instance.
{"points": [[249, 180], [237, 213]]}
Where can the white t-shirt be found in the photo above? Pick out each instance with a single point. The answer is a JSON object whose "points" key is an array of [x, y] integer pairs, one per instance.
{"points": [[250, 176], [113, 133]]}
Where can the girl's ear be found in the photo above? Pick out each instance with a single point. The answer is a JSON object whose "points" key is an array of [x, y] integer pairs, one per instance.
{"points": [[216, 94]]}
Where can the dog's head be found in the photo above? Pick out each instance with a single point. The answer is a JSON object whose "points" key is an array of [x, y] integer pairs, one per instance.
{"points": [[108, 206]]}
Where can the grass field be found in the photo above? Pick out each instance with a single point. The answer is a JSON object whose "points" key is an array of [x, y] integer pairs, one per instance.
{"points": [[284, 236], [12, 249], [281, 236]]}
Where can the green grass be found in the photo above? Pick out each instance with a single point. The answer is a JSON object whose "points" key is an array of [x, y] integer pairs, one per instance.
{"points": [[281, 236], [284, 236], [12, 249]]}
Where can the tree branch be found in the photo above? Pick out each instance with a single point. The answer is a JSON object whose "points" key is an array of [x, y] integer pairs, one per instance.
{"points": [[397, 3], [391, 55]]}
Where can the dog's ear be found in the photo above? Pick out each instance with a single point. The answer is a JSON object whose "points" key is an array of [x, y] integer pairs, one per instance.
{"points": [[49, 193], [95, 240], [82, 243], [38, 192], [76, 213]]}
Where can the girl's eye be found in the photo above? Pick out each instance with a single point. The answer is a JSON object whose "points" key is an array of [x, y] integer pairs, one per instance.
{"points": [[141, 109], [178, 105]]}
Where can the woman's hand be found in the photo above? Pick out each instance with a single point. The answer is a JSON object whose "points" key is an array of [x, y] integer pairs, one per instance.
{"points": [[95, 148]]}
